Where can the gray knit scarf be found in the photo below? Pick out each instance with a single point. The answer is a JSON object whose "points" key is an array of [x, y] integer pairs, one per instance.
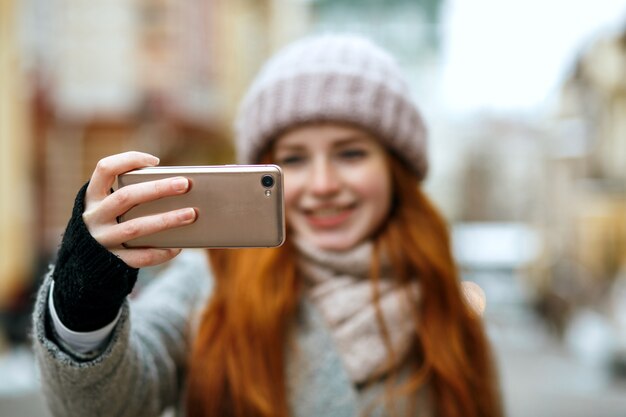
{"points": [[338, 284]]}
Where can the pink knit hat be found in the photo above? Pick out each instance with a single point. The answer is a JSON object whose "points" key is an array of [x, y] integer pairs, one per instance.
{"points": [[338, 78]]}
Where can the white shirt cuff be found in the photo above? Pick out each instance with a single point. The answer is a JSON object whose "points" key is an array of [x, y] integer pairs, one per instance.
{"points": [[80, 342]]}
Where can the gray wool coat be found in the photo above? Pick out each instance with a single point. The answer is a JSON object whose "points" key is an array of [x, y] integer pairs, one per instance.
{"points": [[141, 372]]}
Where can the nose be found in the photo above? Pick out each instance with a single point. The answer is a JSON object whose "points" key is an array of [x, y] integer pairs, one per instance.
{"points": [[324, 180]]}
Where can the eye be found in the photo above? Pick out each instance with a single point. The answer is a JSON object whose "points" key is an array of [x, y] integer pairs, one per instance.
{"points": [[290, 160], [352, 154]]}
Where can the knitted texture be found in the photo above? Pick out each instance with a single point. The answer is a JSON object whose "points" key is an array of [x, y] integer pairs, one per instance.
{"points": [[90, 282], [335, 78], [339, 286]]}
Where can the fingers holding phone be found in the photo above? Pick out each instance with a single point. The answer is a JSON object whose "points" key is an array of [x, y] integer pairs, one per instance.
{"points": [[121, 233], [102, 208], [236, 206], [107, 170], [125, 198]]}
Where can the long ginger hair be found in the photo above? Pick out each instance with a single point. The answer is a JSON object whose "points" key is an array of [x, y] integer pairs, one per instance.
{"points": [[237, 362]]}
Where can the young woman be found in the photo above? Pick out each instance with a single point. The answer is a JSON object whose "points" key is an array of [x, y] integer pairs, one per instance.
{"points": [[360, 312]]}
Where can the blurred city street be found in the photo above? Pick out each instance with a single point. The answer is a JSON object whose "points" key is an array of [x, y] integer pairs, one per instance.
{"points": [[526, 147], [541, 378]]}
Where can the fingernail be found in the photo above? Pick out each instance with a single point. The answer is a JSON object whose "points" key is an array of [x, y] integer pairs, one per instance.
{"points": [[154, 160], [180, 184], [188, 214]]}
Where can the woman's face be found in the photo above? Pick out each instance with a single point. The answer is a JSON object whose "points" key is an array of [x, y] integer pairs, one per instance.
{"points": [[337, 184]]}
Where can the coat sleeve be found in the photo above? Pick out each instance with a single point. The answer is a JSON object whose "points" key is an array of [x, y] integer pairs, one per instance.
{"points": [[142, 369]]}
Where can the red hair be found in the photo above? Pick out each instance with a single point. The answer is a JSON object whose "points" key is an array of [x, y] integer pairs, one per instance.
{"points": [[237, 363]]}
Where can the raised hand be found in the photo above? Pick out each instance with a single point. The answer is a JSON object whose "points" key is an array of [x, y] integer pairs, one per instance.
{"points": [[102, 208]]}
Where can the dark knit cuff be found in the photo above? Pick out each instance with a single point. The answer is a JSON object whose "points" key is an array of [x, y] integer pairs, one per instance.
{"points": [[91, 283]]}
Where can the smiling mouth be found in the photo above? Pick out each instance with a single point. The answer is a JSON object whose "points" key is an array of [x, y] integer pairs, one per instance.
{"points": [[329, 217]]}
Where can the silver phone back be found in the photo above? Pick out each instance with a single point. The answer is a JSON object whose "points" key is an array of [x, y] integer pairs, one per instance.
{"points": [[234, 209]]}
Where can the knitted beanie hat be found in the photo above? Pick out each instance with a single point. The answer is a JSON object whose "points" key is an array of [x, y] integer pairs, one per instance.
{"points": [[335, 78]]}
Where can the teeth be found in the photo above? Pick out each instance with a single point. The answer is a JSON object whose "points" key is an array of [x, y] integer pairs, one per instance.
{"points": [[327, 212]]}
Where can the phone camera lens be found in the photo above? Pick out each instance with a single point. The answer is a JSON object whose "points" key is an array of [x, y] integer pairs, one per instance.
{"points": [[267, 181]]}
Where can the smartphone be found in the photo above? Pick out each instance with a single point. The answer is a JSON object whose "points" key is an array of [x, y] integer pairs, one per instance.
{"points": [[237, 206]]}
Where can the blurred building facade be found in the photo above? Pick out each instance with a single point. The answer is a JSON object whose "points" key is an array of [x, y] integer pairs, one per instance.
{"points": [[594, 107], [594, 102], [16, 165]]}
